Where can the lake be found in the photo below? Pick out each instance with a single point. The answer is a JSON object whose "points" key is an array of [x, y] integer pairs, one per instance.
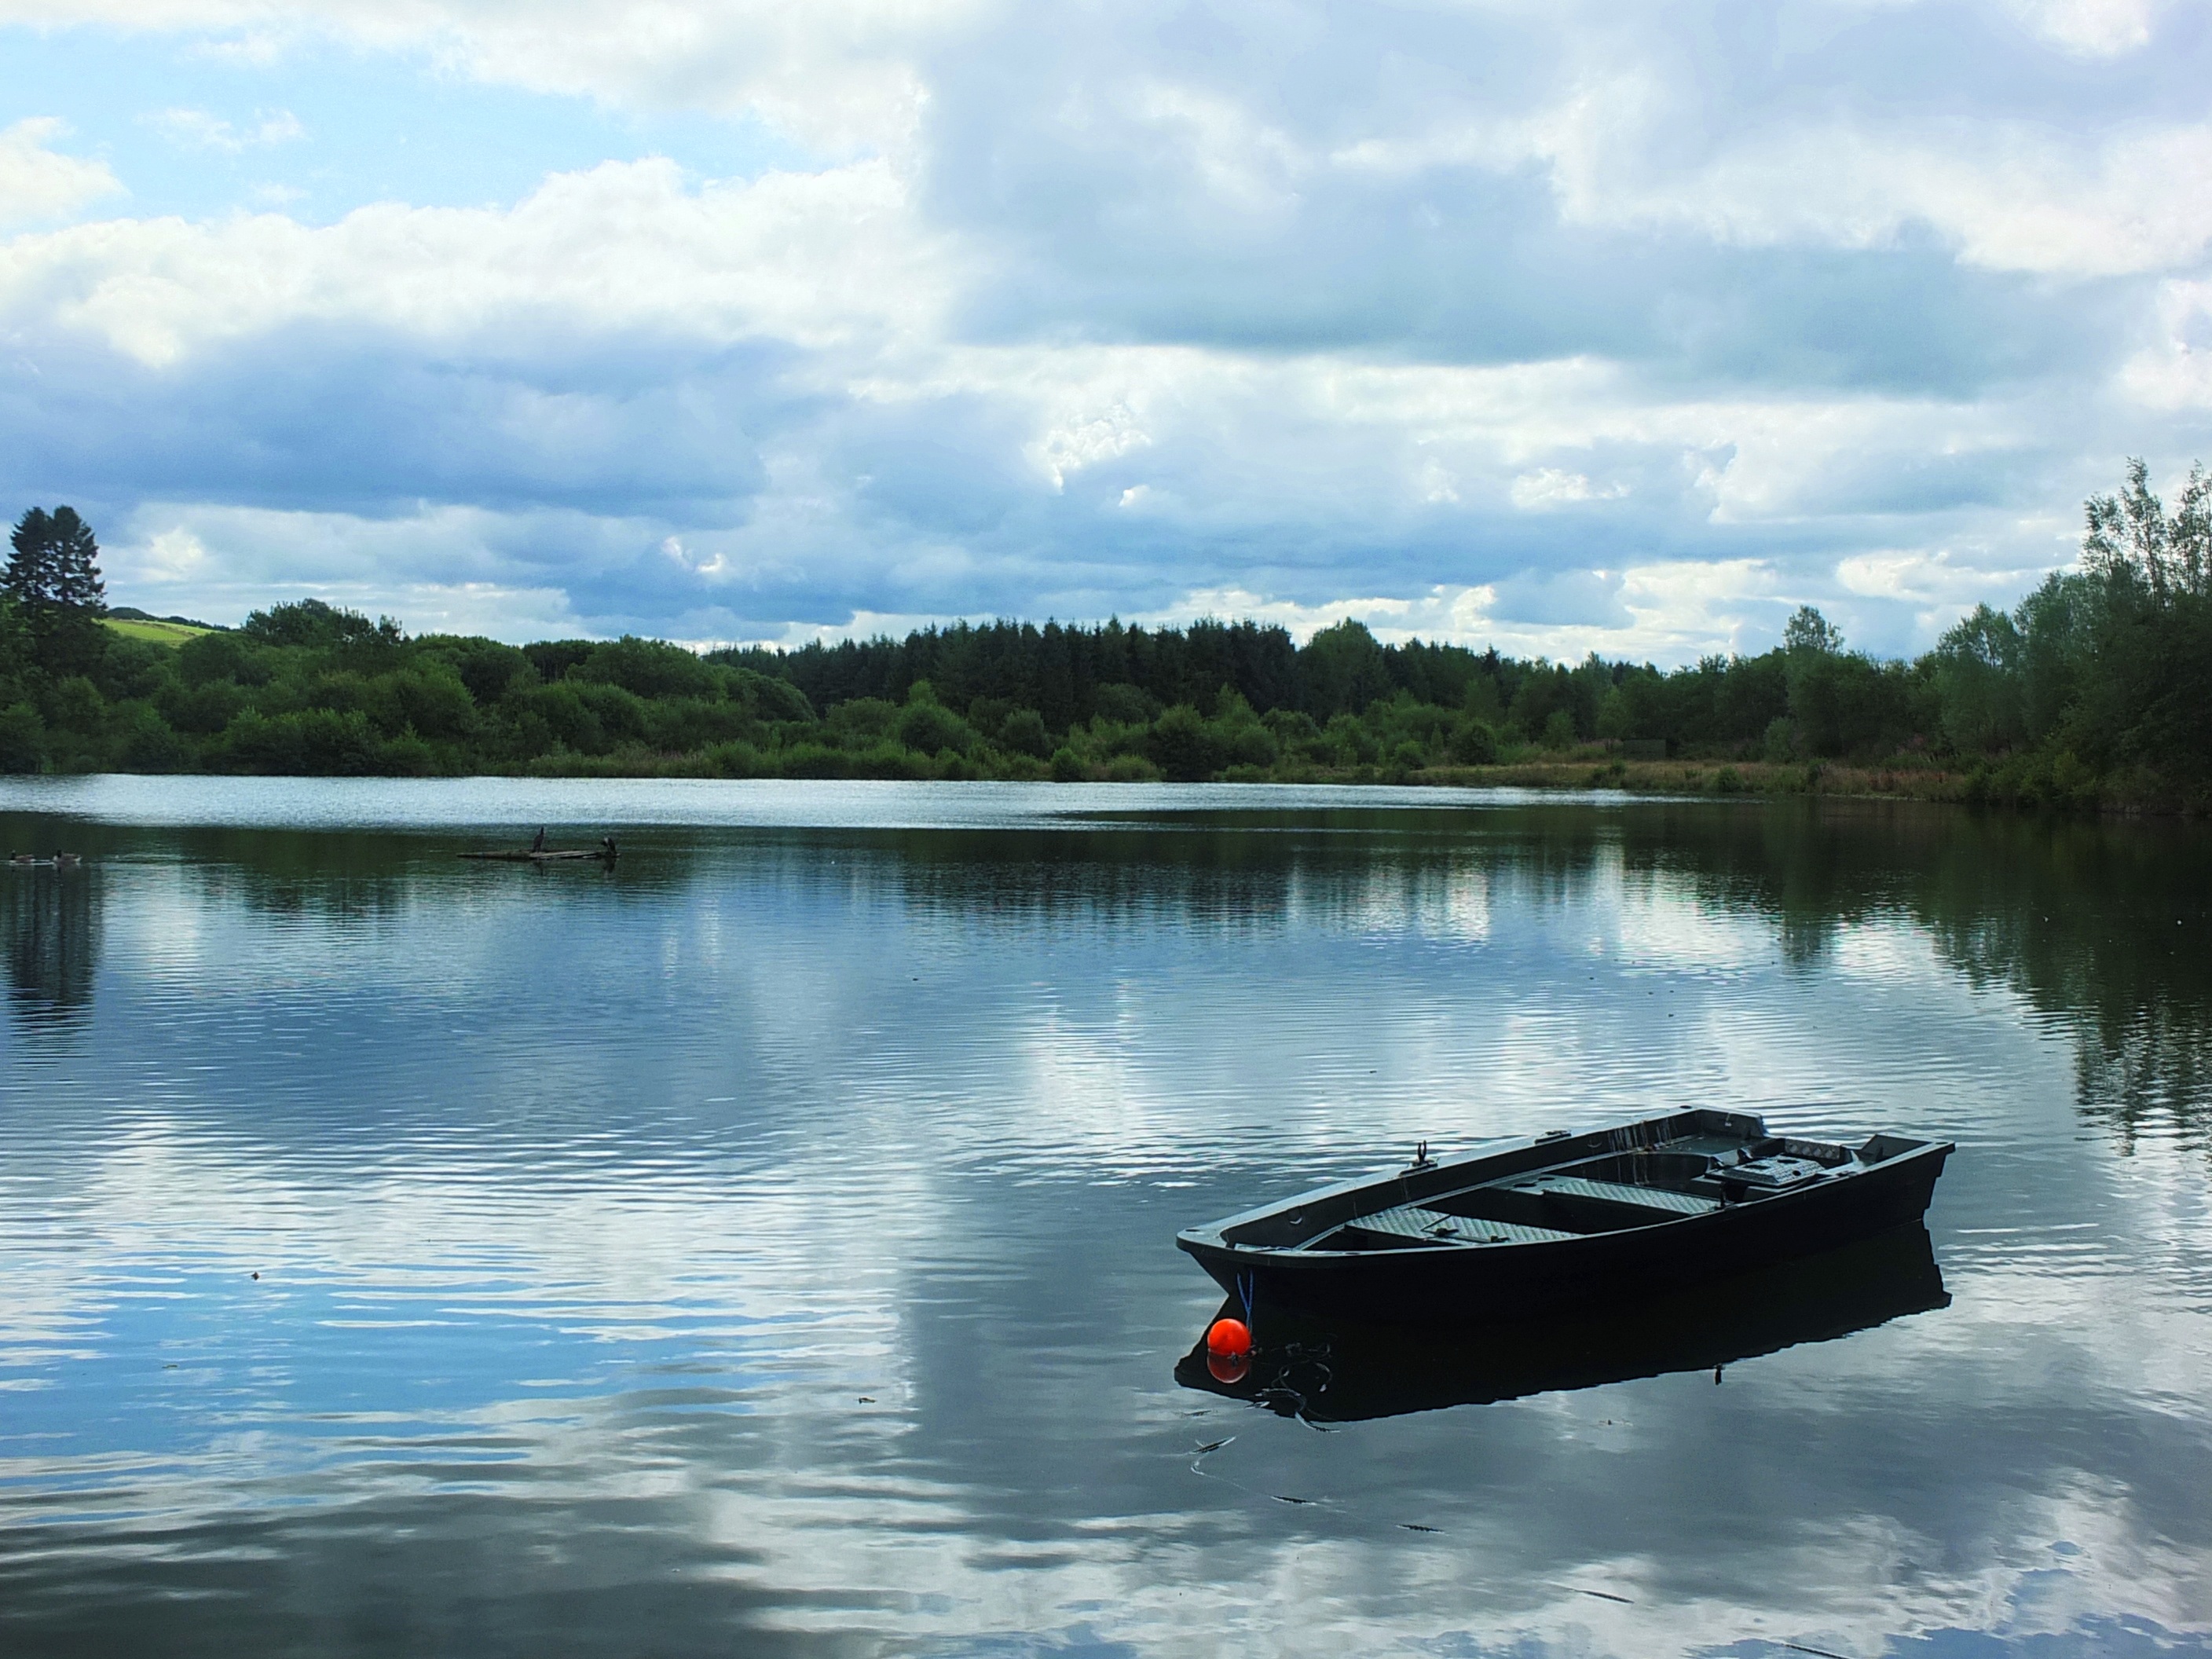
{"points": [[766, 1246]]}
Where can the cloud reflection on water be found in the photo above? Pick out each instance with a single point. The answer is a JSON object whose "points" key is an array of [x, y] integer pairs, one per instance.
{"points": [[587, 1212]]}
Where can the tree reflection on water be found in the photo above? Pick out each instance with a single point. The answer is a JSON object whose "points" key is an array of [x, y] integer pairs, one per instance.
{"points": [[2100, 926], [50, 921]]}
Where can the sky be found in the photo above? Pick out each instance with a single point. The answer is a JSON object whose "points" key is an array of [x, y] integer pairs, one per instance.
{"points": [[1572, 326]]}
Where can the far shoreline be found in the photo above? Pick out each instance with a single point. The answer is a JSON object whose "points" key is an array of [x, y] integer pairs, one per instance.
{"points": [[1686, 778]]}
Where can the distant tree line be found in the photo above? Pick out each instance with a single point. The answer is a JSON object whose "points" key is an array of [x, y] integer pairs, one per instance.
{"points": [[2097, 687]]}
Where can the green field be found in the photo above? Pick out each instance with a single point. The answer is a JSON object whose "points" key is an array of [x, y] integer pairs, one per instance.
{"points": [[161, 632]]}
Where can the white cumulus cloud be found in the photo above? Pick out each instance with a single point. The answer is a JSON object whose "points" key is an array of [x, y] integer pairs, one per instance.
{"points": [[1582, 326], [811, 257], [37, 183]]}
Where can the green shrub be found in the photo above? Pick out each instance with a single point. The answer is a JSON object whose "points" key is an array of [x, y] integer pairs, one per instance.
{"points": [[485, 666], [428, 699], [312, 742], [764, 696], [737, 760], [223, 657], [681, 724], [552, 659], [620, 712], [813, 759], [1473, 742], [22, 739], [341, 689], [134, 669], [931, 728], [1108, 738], [1183, 747], [1346, 742], [558, 711], [315, 625], [864, 720], [144, 741], [75, 705], [408, 757], [1023, 732], [202, 709], [1239, 736], [890, 760], [648, 668], [1124, 705]]}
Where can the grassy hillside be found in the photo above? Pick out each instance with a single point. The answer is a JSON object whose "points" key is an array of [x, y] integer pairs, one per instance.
{"points": [[157, 633]]}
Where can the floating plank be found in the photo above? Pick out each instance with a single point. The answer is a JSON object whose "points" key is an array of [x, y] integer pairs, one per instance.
{"points": [[602, 854]]}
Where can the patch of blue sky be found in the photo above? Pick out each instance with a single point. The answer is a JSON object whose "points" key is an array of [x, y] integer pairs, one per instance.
{"points": [[323, 130], [171, 1359]]}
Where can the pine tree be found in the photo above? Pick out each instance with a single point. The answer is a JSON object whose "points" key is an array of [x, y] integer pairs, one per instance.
{"points": [[53, 577]]}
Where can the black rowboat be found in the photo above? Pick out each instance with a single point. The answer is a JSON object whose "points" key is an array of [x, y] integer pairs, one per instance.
{"points": [[1534, 1227]]}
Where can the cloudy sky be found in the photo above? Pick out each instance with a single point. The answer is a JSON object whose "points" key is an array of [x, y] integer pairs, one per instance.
{"points": [[1560, 324]]}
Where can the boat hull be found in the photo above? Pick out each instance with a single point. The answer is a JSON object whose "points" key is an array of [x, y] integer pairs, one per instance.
{"points": [[1457, 1285], [1340, 1371]]}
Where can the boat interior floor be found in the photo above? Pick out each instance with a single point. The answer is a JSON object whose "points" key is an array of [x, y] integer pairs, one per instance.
{"points": [[1601, 1195], [1410, 1224]]}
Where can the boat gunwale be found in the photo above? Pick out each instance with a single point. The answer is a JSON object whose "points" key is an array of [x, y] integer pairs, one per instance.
{"points": [[1438, 1180]]}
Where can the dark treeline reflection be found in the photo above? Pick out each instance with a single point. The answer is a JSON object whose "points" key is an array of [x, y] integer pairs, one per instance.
{"points": [[318, 874], [50, 926], [1247, 868], [2101, 926]]}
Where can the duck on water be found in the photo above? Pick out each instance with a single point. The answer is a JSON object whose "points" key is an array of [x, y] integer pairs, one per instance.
{"points": [[1537, 1226]]}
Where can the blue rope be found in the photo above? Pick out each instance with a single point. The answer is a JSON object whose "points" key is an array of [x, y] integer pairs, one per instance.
{"points": [[1246, 1285]]}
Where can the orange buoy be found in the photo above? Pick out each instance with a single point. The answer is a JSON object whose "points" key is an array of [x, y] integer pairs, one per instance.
{"points": [[1229, 1339]]}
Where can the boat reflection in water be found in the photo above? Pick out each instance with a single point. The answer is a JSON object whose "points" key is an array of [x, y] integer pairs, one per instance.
{"points": [[1341, 1373]]}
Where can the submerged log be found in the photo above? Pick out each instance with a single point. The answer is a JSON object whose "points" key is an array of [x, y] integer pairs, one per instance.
{"points": [[605, 852], [538, 858]]}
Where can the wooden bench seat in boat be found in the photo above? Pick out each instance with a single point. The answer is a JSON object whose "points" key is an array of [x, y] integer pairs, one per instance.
{"points": [[1619, 1192], [1411, 1221]]}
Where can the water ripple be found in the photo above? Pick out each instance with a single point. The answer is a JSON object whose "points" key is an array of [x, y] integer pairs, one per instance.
{"points": [[767, 1244]]}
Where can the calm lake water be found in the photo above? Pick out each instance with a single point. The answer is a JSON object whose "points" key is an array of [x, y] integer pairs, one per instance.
{"points": [[765, 1247]]}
